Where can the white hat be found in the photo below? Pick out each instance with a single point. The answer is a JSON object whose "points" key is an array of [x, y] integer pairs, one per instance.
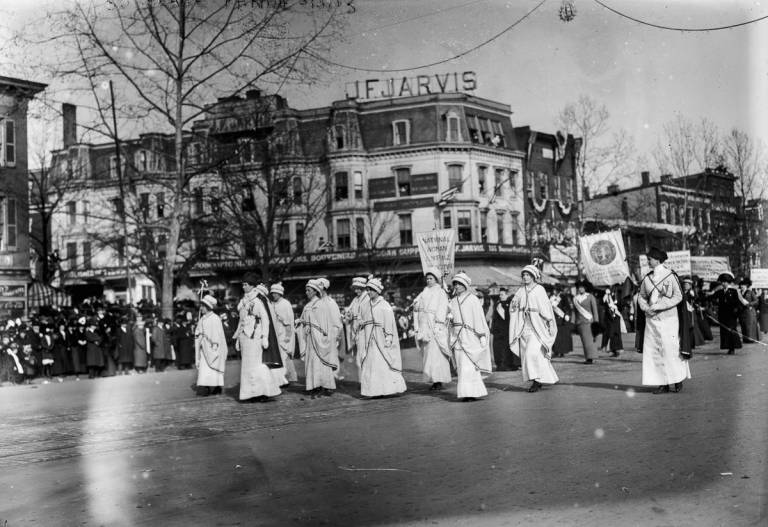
{"points": [[313, 284], [434, 271], [324, 283], [262, 289], [462, 278], [358, 281], [533, 271], [209, 301], [277, 288], [375, 284]]}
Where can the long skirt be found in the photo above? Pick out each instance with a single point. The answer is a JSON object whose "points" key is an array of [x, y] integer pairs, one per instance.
{"points": [[377, 377], [662, 364], [290, 368], [77, 356], [470, 381], [764, 318], [701, 320], [318, 374], [587, 340], [255, 378], [434, 364], [536, 366], [748, 321], [729, 336], [612, 334], [563, 341]]}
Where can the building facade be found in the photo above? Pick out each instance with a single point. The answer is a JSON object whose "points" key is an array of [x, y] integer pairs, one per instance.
{"points": [[338, 191], [14, 218]]}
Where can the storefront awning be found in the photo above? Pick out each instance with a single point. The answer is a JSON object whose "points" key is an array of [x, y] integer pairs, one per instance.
{"points": [[44, 295]]}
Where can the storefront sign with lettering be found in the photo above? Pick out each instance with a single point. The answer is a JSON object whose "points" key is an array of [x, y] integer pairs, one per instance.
{"points": [[367, 89]]}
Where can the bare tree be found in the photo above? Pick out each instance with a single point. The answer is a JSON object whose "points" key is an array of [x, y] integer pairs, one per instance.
{"points": [[686, 147], [171, 58], [745, 159]]}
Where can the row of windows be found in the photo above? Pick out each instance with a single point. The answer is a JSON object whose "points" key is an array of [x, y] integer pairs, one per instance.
{"points": [[685, 216], [547, 186]]}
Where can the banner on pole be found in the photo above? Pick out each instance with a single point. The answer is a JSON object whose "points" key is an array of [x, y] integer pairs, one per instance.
{"points": [[604, 258], [759, 278], [708, 268], [678, 261], [437, 249]]}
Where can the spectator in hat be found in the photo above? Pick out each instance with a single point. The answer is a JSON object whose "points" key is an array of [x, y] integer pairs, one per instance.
{"points": [[124, 345], [252, 337], [666, 344], [726, 296], [469, 339], [94, 354], [210, 349], [184, 341], [160, 340], [381, 361], [430, 310], [532, 330], [141, 346]]}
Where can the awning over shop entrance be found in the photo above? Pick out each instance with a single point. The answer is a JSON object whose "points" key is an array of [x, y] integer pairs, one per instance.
{"points": [[44, 295]]}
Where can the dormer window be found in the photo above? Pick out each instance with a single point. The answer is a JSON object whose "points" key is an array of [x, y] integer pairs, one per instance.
{"points": [[338, 134], [401, 132]]}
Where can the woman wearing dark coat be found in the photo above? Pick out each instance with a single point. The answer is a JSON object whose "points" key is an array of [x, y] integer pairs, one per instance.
{"points": [[77, 344], [748, 317], [612, 324], [94, 355], [563, 309], [140, 356], [729, 306], [161, 345], [586, 315], [762, 306], [184, 339], [124, 348], [61, 354]]}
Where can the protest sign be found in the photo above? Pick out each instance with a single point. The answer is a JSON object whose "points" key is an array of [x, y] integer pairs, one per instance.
{"points": [[437, 249], [604, 258]]}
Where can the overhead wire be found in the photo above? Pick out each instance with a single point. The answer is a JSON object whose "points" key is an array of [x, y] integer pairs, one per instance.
{"points": [[419, 17], [437, 62], [673, 28]]}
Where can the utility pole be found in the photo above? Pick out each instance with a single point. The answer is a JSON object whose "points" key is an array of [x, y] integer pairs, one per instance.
{"points": [[126, 261]]}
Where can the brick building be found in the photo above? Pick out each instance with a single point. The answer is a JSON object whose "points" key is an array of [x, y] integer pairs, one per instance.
{"points": [[14, 219]]}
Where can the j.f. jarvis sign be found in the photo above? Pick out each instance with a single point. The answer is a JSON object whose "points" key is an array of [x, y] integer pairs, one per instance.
{"points": [[408, 86]]}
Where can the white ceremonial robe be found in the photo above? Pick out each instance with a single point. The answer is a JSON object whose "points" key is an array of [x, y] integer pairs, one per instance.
{"points": [[662, 365], [469, 341], [361, 307], [532, 332], [318, 345], [253, 336], [381, 361], [210, 350], [286, 336], [352, 324], [430, 310]]}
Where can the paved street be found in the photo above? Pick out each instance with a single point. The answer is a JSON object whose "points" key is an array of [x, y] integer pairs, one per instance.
{"points": [[597, 449]]}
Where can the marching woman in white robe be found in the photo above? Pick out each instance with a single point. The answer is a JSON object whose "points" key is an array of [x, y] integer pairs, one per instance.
{"points": [[660, 293], [210, 349], [286, 334], [381, 364], [318, 344], [468, 339], [352, 316], [251, 338], [532, 330], [430, 310]]}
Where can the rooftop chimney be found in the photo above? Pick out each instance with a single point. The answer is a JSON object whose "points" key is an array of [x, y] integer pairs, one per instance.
{"points": [[645, 177], [253, 94], [613, 188], [69, 115], [666, 179]]}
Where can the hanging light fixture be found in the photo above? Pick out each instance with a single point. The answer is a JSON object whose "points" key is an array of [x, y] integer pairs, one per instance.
{"points": [[567, 10]]}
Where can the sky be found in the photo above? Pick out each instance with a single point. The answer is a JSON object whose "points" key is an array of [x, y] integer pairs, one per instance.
{"points": [[644, 75]]}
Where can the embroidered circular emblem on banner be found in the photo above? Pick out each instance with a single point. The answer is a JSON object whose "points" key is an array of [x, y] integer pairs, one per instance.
{"points": [[603, 252]]}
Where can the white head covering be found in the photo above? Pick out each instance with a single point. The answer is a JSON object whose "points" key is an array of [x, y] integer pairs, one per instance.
{"points": [[262, 289], [324, 283], [209, 301], [314, 285], [462, 278], [375, 284], [533, 271], [277, 288], [434, 271], [358, 281]]}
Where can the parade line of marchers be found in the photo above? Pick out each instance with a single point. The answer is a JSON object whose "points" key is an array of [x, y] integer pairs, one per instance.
{"points": [[451, 332]]}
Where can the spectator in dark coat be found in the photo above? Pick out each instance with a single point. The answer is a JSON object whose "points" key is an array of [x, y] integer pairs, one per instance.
{"points": [[124, 347], [162, 354], [184, 341], [94, 355], [140, 355]]}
